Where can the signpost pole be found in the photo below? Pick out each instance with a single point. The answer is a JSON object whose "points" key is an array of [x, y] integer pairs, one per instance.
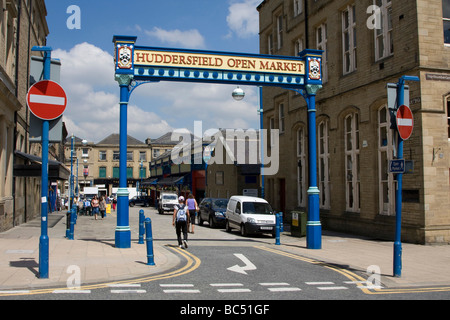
{"points": [[43, 240], [398, 196]]}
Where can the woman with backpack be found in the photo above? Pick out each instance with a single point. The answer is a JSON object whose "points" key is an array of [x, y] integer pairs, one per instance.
{"points": [[180, 219]]}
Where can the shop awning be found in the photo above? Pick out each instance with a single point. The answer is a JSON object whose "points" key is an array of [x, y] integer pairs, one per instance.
{"points": [[149, 182], [171, 181], [32, 165]]}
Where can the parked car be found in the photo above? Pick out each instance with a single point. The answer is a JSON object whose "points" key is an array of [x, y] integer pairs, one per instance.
{"points": [[143, 201], [212, 210], [250, 215]]}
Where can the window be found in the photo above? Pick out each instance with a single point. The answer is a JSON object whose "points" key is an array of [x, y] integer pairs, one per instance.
{"points": [[279, 31], [102, 172], [156, 153], [352, 167], [85, 153], [281, 117], [349, 39], [298, 7], [321, 44], [446, 18], [448, 116], [272, 132], [298, 47], [116, 172], [384, 44], [116, 155], [270, 44], [102, 155], [219, 177], [129, 155], [142, 156], [142, 172], [386, 182], [129, 172], [324, 160], [301, 168]]}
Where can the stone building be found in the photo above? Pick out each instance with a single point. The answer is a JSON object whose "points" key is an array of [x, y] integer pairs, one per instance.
{"points": [[22, 25], [98, 163], [366, 45]]}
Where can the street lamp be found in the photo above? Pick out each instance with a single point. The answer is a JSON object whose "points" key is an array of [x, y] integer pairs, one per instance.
{"points": [[238, 94], [140, 174]]}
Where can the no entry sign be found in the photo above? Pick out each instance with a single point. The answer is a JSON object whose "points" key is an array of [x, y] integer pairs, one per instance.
{"points": [[405, 122], [47, 100]]}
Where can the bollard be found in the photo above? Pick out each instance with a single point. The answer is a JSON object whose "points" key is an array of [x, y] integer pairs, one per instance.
{"points": [[72, 223], [149, 240], [141, 226], [277, 232], [281, 222], [67, 224]]}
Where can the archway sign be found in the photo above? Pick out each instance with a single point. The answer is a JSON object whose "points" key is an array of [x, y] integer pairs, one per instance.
{"points": [[135, 65]]}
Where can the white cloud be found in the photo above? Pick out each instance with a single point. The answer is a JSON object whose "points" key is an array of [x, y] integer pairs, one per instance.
{"points": [[92, 113], [243, 18], [187, 39]]}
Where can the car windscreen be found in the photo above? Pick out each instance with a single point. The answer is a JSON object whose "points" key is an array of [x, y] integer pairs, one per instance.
{"points": [[170, 197], [220, 204], [256, 208]]}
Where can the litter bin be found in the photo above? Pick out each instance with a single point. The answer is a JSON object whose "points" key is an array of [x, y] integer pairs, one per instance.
{"points": [[298, 224]]}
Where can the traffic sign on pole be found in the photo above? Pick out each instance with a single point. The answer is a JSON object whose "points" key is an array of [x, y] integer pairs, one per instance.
{"points": [[47, 100], [405, 122]]}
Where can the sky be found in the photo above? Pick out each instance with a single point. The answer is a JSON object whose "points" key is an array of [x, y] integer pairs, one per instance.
{"points": [[87, 71]]}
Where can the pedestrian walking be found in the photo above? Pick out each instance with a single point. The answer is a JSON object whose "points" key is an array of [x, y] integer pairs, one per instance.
{"points": [[180, 219], [95, 204], [114, 203], [193, 209], [87, 207], [81, 206], [102, 206]]}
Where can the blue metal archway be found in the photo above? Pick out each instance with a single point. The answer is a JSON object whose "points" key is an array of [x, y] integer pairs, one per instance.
{"points": [[135, 65]]}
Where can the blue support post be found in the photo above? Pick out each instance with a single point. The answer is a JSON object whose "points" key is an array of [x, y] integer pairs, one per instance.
{"points": [[123, 232], [261, 126], [43, 240], [313, 225], [141, 226], [398, 193], [149, 240]]}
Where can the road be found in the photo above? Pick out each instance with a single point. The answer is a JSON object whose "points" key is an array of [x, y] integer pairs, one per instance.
{"points": [[226, 269]]}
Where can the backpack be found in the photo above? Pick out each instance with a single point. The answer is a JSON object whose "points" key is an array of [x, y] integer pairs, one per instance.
{"points": [[181, 213]]}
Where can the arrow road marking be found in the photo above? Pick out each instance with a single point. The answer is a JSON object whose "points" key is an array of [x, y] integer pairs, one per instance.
{"points": [[248, 265]]}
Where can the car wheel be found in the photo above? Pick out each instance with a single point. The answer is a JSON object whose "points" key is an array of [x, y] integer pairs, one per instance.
{"points": [[243, 231], [131, 204], [227, 226], [200, 220], [211, 222]]}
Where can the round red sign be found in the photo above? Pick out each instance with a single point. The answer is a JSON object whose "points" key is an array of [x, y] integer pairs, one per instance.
{"points": [[47, 100], [405, 122]]}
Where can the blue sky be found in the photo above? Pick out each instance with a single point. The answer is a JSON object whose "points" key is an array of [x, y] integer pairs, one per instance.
{"points": [[87, 72]]}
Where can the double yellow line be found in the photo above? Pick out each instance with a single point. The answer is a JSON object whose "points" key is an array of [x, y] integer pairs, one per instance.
{"points": [[356, 278], [192, 263]]}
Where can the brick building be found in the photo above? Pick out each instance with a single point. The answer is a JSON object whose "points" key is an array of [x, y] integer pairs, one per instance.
{"points": [[22, 25], [363, 51]]}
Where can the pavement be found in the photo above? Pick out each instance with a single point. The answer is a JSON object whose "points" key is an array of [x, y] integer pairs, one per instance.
{"points": [[94, 254]]}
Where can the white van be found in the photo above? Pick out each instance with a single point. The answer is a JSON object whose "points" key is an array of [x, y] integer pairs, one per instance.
{"points": [[250, 215], [167, 202]]}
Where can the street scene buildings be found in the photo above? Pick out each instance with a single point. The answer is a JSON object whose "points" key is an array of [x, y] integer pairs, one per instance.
{"points": [[363, 51], [365, 45]]}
